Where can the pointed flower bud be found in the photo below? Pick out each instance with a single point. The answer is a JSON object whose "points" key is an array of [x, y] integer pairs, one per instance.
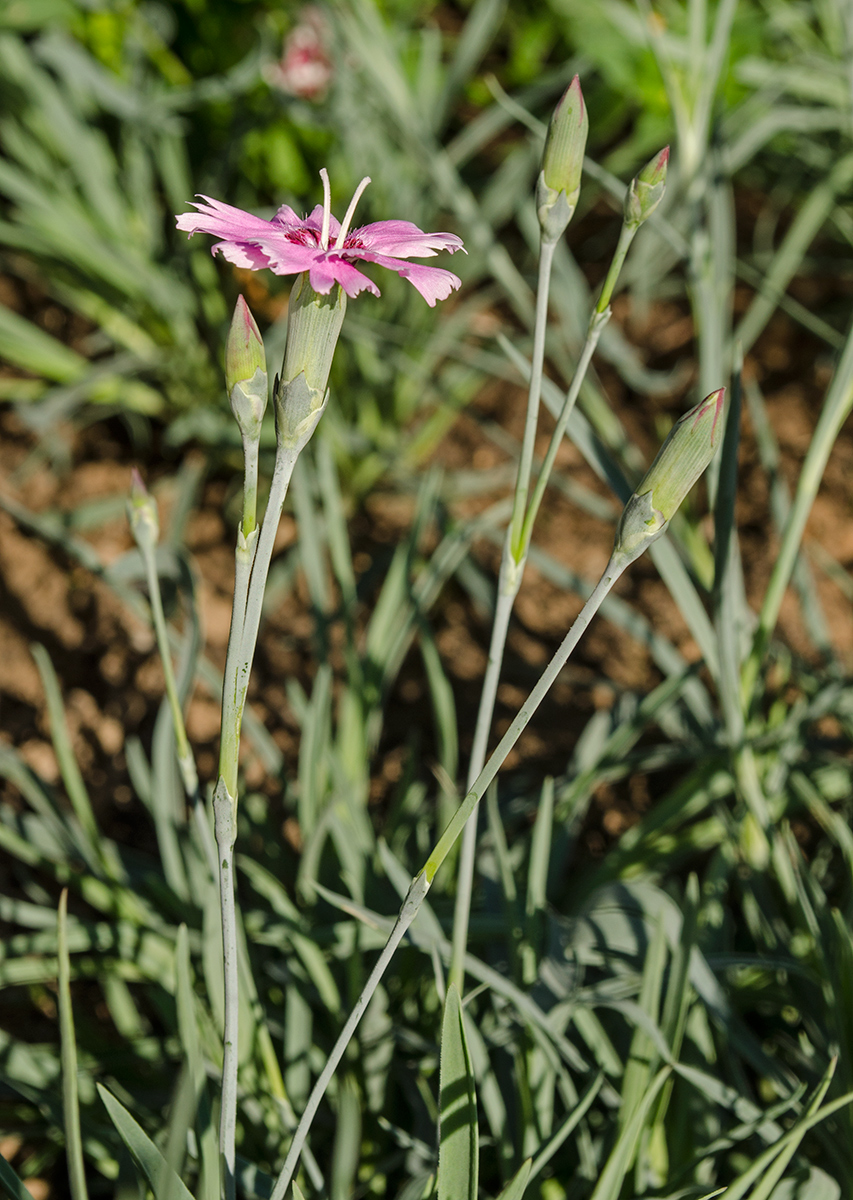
{"points": [[142, 514], [645, 191], [680, 461], [246, 371], [313, 326], [559, 183]]}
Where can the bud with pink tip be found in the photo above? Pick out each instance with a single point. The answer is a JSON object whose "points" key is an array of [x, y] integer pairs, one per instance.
{"points": [[645, 191], [246, 371]]}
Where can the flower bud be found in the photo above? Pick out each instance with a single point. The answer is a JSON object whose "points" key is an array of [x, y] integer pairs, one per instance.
{"points": [[313, 326], [645, 191], [142, 514], [246, 371], [559, 183], [680, 461]]}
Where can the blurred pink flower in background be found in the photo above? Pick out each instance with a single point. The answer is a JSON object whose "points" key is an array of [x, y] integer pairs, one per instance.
{"points": [[305, 67]]}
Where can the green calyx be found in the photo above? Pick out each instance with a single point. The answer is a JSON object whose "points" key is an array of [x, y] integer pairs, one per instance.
{"points": [[559, 183], [313, 326], [687, 451], [646, 190]]}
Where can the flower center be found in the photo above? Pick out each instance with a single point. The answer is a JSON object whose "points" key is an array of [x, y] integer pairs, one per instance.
{"points": [[303, 237]]}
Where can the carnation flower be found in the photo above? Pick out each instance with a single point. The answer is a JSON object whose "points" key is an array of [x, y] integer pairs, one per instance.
{"points": [[318, 244], [305, 69]]}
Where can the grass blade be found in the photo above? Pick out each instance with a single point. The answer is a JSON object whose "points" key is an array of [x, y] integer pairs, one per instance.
{"points": [[622, 1155], [514, 1190], [10, 1182], [70, 1099], [458, 1149], [163, 1180]]}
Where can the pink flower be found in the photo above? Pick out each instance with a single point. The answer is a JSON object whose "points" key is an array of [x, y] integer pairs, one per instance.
{"points": [[289, 245], [305, 68]]}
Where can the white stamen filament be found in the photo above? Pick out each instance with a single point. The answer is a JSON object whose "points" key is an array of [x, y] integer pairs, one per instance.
{"points": [[327, 208], [339, 240]]}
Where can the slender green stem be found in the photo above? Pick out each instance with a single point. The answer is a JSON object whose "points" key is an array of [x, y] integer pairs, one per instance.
{"points": [[467, 852], [837, 406], [244, 555], [512, 567], [186, 762], [626, 235], [522, 718], [250, 484], [534, 392], [516, 548], [252, 562], [407, 914], [240, 656], [70, 1101], [223, 812], [596, 325], [422, 881]]}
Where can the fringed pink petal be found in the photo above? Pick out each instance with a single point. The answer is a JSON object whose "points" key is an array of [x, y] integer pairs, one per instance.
{"points": [[401, 239]]}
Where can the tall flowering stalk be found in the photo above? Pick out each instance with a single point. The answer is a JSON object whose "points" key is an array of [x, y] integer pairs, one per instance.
{"points": [[323, 254], [326, 256]]}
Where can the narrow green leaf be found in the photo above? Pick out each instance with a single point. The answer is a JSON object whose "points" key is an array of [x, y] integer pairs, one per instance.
{"points": [[87, 838], [643, 1057], [458, 1144], [25, 345], [569, 1125], [163, 1180], [188, 1029], [514, 1190], [70, 1100], [778, 1168], [345, 1154], [10, 1182], [622, 1155], [742, 1184]]}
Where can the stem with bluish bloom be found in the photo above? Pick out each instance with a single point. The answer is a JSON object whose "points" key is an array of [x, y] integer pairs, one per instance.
{"points": [[515, 552], [253, 557], [313, 328], [509, 580], [224, 815]]}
